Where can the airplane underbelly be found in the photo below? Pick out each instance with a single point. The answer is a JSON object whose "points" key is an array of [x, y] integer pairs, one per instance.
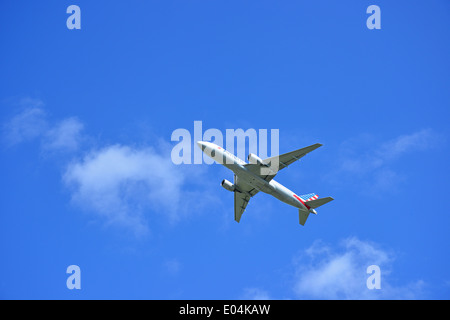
{"points": [[284, 194], [254, 181], [285, 198]]}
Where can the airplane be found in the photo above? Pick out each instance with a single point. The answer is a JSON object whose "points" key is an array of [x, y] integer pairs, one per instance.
{"points": [[258, 174]]}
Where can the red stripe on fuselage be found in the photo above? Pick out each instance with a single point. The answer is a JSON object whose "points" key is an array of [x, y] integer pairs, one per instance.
{"points": [[300, 199]]}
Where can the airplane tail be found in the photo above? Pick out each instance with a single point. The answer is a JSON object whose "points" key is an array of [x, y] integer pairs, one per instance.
{"points": [[309, 197], [302, 216], [312, 202]]}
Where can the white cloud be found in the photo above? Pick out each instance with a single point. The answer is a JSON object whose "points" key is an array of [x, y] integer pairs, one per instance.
{"points": [[373, 166], [385, 153], [64, 136], [33, 124], [128, 186], [28, 102], [28, 125], [325, 272], [119, 182], [417, 141], [255, 294]]}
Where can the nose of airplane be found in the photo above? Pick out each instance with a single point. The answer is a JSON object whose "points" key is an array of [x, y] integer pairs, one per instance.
{"points": [[201, 145]]}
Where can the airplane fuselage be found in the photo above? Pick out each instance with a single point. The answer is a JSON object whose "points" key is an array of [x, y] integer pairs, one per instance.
{"points": [[220, 155]]}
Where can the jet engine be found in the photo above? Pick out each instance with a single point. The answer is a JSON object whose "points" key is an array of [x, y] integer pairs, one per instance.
{"points": [[228, 185], [253, 158]]}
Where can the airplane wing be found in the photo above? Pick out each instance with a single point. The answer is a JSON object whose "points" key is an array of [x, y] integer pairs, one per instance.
{"points": [[242, 197], [284, 160], [258, 170], [240, 203]]}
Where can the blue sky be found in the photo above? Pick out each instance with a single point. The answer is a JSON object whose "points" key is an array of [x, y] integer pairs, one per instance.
{"points": [[87, 179]]}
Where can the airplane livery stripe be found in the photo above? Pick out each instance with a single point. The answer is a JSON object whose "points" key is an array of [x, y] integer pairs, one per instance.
{"points": [[309, 196], [300, 199]]}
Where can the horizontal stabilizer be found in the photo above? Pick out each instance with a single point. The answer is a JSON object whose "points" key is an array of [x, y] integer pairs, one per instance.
{"points": [[318, 202]]}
